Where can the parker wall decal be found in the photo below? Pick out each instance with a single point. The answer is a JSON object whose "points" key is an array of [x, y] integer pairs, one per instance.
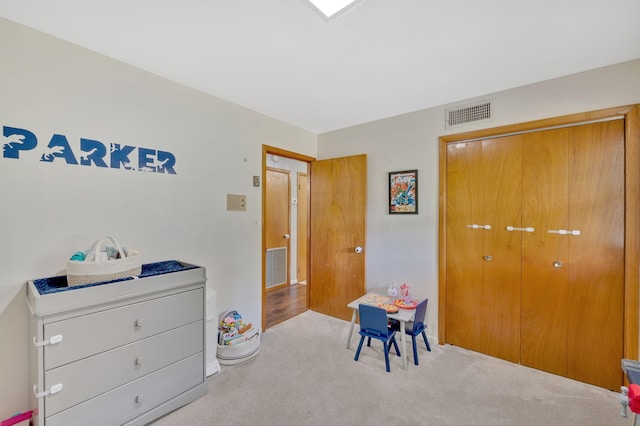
{"points": [[90, 152]]}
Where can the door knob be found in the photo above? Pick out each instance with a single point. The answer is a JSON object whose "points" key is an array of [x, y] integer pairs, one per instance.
{"points": [[358, 249], [488, 258], [557, 264], [286, 236]]}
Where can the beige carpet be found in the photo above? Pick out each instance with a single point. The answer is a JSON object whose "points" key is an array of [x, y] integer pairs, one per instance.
{"points": [[305, 376]]}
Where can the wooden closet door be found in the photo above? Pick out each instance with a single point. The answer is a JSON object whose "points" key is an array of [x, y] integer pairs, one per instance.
{"points": [[596, 269], [464, 245], [483, 265], [545, 294], [551, 299], [573, 282]]}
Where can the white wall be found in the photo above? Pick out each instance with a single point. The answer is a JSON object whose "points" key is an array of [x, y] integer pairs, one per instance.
{"points": [[405, 248], [50, 210]]}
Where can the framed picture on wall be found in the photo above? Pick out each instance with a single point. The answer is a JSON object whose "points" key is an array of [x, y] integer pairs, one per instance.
{"points": [[403, 192]]}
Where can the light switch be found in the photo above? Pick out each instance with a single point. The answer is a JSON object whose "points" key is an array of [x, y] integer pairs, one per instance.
{"points": [[236, 202]]}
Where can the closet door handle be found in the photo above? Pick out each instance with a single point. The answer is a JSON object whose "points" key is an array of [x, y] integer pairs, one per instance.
{"points": [[558, 264], [474, 226], [513, 228], [488, 258], [564, 231]]}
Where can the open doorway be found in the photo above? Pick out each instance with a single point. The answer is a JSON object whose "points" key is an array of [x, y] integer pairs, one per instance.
{"points": [[336, 246], [285, 235]]}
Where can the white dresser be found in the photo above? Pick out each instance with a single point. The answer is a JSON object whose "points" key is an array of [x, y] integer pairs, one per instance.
{"points": [[120, 353]]}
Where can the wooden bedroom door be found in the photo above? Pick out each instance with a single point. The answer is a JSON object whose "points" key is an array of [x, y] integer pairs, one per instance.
{"points": [[277, 241], [338, 226]]}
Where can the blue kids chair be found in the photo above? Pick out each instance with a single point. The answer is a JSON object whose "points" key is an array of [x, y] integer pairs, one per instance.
{"points": [[418, 328], [373, 324]]}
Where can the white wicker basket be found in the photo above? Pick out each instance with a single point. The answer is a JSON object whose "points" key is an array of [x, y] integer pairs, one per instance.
{"points": [[236, 354], [94, 271]]}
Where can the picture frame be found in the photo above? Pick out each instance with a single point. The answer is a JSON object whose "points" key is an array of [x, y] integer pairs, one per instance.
{"points": [[403, 192]]}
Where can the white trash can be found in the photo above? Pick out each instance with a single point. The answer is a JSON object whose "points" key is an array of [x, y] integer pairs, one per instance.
{"points": [[211, 333]]}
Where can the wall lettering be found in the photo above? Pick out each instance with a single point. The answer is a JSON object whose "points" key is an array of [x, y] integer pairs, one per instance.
{"points": [[91, 153]]}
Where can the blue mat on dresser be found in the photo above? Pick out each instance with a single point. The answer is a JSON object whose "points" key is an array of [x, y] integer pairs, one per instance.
{"points": [[57, 284]]}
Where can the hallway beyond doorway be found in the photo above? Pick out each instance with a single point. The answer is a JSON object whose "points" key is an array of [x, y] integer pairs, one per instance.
{"points": [[284, 303]]}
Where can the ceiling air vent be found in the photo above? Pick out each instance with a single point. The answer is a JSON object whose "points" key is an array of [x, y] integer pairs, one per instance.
{"points": [[468, 114]]}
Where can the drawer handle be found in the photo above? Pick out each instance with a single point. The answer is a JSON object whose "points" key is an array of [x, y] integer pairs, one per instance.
{"points": [[139, 322], [139, 360], [139, 398], [53, 340], [52, 390]]}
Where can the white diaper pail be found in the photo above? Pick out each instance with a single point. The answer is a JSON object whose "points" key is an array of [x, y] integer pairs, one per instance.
{"points": [[211, 334]]}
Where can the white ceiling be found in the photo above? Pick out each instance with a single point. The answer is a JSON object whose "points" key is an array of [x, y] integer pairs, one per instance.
{"points": [[379, 59]]}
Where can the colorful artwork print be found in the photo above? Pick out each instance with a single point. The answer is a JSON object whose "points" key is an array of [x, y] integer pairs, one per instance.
{"points": [[403, 192]]}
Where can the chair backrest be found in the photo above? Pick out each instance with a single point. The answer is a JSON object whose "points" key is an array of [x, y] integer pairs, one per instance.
{"points": [[421, 311], [373, 320]]}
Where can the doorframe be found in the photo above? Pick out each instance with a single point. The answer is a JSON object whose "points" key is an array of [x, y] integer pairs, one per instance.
{"points": [[631, 114], [267, 149], [305, 215]]}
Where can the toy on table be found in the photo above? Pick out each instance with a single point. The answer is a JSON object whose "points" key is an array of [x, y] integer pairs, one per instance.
{"points": [[404, 290], [389, 307], [405, 303], [392, 290]]}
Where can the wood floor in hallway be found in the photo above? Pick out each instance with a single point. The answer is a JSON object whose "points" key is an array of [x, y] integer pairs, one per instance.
{"points": [[284, 303]]}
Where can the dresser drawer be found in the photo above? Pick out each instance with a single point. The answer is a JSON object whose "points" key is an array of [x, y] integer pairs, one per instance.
{"points": [[90, 334], [135, 398], [114, 368]]}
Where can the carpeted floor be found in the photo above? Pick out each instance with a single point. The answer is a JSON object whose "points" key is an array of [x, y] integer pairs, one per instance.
{"points": [[305, 376]]}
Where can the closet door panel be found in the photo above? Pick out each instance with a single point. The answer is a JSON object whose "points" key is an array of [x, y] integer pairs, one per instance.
{"points": [[483, 265], [499, 301], [464, 244], [545, 189], [596, 273]]}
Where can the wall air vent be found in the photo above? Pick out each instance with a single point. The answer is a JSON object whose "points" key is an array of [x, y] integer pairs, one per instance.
{"points": [[468, 114]]}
